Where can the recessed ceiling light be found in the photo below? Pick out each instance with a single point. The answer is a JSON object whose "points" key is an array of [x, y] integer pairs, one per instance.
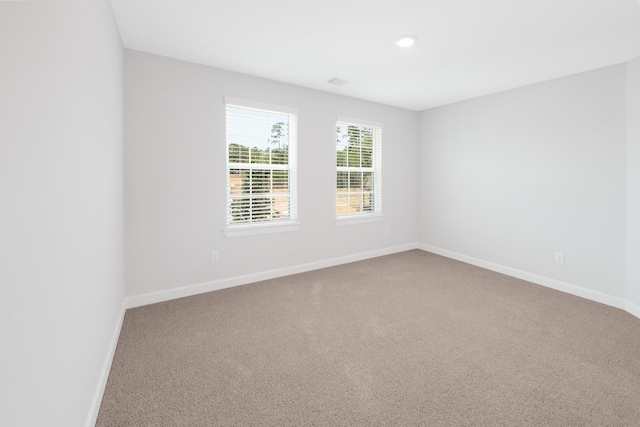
{"points": [[406, 41]]}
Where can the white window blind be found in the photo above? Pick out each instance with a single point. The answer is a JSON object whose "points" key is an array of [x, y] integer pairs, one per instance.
{"points": [[261, 173], [358, 163]]}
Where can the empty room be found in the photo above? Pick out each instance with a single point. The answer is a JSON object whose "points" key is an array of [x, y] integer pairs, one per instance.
{"points": [[336, 213]]}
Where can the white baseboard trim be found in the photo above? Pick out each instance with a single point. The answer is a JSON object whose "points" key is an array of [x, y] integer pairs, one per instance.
{"points": [[534, 278], [189, 290], [92, 416], [632, 308], [184, 291]]}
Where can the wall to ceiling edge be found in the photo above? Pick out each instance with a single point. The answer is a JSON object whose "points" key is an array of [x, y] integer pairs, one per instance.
{"points": [[175, 195], [62, 217], [509, 179], [504, 182]]}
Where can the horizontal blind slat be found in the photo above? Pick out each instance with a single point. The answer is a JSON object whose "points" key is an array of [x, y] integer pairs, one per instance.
{"points": [[358, 174], [260, 165]]}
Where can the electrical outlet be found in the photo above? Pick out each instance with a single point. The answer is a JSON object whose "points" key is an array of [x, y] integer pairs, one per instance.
{"points": [[215, 257], [558, 257]]}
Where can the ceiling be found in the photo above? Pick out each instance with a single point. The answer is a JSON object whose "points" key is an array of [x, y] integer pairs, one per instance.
{"points": [[465, 48]]}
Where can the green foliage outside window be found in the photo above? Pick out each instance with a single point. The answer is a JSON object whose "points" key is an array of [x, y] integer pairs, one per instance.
{"points": [[355, 163], [255, 202]]}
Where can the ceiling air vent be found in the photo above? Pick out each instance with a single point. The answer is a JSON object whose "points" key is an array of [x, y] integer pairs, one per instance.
{"points": [[338, 82]]}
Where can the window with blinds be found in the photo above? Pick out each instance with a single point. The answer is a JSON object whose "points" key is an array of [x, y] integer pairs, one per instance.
{"points": [[358, 160], [261, 178]]}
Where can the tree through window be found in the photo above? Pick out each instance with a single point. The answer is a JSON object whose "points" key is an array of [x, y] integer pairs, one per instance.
{"points": [[358, 169], [260, 164]]}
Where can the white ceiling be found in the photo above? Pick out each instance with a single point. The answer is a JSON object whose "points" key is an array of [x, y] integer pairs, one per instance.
{"points": [[465, 48]]}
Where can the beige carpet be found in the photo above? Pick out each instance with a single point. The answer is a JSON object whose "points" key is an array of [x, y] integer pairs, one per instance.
{"points": [[402, 340]]}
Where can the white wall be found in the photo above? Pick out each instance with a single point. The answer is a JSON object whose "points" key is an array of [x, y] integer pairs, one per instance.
{"points": [[512, 177], [633, 185], [175, 176], [508, 178], [61, 207]]}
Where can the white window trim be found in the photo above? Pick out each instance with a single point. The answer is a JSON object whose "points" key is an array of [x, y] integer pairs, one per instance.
{"points": [[258, 229], [251, 229], [358, 219], [363, 218], [246, 103], [359, 122]]}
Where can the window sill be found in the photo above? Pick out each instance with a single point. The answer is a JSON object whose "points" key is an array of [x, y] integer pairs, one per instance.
{"points": [[256, 229], [359, 219]]}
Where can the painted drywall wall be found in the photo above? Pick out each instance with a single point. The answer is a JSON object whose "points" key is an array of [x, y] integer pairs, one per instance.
{"points": [[175, 176], [633, 184], [61, 207], [513, 177]]}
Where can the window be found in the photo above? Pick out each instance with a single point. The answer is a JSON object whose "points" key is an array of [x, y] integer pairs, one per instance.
{"points": [[261, 173], [358, 183]]}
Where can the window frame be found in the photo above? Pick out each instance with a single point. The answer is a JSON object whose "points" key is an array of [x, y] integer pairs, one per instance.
{"points": [[272, 226], [376, 169]]}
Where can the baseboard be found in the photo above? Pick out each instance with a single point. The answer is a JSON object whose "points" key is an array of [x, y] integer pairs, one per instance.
{"points": [[189, 290], [632, 308], [92, 417], [534, 278], [184, 291]]}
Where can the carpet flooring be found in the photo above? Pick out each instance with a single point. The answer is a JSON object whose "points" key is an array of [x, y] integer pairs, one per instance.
{"points": [[410, 339]]}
